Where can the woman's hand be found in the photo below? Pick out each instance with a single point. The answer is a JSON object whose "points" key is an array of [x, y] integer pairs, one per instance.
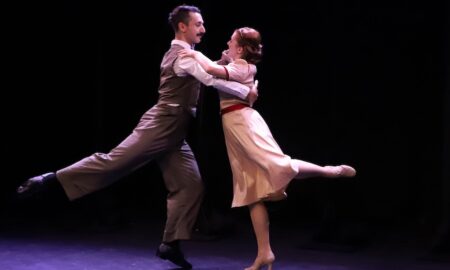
{"points": [[187, 53], [225, 58]]}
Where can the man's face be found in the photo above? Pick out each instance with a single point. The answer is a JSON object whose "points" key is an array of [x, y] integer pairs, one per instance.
{"points": [[195, 29]]}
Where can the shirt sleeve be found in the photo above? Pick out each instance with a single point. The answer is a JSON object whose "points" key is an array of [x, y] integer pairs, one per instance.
{"points": [[188, 66]]}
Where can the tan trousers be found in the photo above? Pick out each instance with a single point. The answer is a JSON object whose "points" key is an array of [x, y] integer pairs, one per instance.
{"points": [[160, 135]]}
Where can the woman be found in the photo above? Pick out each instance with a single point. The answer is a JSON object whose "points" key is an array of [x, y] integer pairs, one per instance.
{"points": [[261, 171]]}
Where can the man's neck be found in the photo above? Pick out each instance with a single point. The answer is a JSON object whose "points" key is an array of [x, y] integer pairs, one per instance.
{"points": [[182, 38]]}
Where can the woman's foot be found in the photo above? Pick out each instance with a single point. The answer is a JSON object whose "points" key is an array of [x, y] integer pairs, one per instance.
{"points": [[340, 171], [275, 196], [261, 262]]}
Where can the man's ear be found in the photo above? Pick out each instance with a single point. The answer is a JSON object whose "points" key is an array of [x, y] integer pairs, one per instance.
{"points": [[182, 27]]}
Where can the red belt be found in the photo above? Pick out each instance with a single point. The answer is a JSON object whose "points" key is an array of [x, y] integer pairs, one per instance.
{"points": [[234, 107]]}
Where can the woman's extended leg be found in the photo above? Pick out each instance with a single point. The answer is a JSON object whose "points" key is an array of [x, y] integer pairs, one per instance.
{"points": [[307, 170]]}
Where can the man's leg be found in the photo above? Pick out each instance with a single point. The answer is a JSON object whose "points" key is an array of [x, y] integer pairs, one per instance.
{"points": [[183, 181], [101, 170]]}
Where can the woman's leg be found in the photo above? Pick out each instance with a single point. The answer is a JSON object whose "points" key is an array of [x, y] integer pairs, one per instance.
{"points": [[260, 221], [307, 170]]}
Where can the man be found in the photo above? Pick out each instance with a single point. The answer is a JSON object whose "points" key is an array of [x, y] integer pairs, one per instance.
{"points": [[160, 135]]}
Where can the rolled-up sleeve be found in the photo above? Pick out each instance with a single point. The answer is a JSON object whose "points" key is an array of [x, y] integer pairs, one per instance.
{"points": [[186, 65]]}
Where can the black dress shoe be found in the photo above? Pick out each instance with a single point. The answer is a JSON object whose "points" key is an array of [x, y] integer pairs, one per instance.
{"points": [[173, 254], [36, 184]]}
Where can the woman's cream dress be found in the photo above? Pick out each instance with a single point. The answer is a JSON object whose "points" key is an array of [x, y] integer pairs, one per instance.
{"points": [[260, 169]]}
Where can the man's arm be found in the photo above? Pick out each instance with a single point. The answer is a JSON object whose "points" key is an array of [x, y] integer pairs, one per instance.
{"points": [[209, 66], [187, 65]]}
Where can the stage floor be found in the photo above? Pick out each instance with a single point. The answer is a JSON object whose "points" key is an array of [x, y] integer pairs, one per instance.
{"points": [[49, 246]]}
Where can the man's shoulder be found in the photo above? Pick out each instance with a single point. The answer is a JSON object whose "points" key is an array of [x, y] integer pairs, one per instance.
{"points": [[176, 47], [172, 52]]}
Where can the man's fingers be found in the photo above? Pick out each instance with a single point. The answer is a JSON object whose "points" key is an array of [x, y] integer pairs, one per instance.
{"points": [[256, 83]]}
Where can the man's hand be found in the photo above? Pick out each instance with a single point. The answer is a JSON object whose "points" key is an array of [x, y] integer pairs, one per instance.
{"points": [[253, 94]]}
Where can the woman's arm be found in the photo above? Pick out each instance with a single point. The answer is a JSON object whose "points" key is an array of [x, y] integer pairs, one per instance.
{"points": [[209, 66]]}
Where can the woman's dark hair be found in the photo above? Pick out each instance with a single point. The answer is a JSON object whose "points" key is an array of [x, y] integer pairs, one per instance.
{"points": [[250, 40]]}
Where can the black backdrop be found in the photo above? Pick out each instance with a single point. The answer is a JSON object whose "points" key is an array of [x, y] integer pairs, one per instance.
{"points": [[358, 82]]}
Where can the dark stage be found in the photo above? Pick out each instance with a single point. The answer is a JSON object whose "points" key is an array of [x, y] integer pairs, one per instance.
{"points": [[132, 247], [360, 82]]}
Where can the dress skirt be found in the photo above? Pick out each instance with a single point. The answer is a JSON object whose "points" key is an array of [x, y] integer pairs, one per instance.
{"points": [[261, 171]]}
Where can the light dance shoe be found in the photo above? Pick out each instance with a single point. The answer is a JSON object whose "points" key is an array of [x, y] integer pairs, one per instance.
{"points": [[260, 264], [346, 171], [340, 171], [275, 196]]}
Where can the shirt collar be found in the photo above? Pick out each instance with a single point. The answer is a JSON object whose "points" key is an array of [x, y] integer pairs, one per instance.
{"points": [[182, 43]]}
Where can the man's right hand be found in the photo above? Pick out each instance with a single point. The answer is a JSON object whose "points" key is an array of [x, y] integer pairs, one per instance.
{"points": [[253, 94]]}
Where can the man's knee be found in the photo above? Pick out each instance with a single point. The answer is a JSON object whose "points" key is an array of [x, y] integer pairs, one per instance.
{"points": [[195, 188]]}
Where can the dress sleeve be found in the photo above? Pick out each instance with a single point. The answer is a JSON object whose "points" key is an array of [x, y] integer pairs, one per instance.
{"points": [[240, 71], [236, 71]]}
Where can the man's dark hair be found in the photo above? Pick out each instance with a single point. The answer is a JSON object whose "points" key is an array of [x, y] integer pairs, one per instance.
{"points": [[181, 14]]}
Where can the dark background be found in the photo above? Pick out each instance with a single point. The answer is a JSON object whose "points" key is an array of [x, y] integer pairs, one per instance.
{"points": [[364, 83]]}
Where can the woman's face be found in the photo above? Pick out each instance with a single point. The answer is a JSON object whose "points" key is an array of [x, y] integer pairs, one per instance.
{"points": [[234, 50]]}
